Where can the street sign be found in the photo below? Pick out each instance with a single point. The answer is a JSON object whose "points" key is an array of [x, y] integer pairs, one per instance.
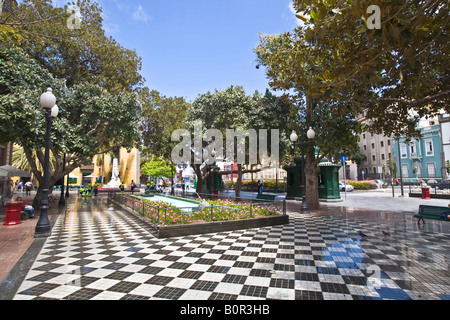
{"points": [[344, 158]]}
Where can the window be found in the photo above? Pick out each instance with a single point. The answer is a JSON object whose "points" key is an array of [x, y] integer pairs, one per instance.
{"points": [[405, 171], [382, 143], [383, 157], [403, 151], [429, 148], [413, 149], [431, 169], [364, 135], [389, 142], [365, 148], [373, 145], [373, 158], [390, 156], [418, 170]]}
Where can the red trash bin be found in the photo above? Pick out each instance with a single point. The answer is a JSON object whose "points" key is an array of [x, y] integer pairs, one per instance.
{"points": [[216, 194], [426, 194], [13, 213]]}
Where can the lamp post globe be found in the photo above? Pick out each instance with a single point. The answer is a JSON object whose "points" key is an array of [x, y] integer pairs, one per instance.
{"points": [[294, 136], [311, 133], [55, 111], [48, 100]]}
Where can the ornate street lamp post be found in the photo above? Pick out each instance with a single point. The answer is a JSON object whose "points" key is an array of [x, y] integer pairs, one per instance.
{"points": [[294, 138], [48, 102]]}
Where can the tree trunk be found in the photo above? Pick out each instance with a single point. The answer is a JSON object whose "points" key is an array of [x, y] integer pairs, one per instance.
{"points": [[312, 182], [238, 185], [200, 179]]}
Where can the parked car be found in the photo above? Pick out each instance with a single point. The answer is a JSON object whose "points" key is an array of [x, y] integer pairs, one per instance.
{"points": [[343, 186], [380, 184], [444, 184]]}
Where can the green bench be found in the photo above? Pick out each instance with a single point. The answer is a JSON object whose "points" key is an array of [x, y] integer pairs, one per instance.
{"points": [[431, 212], [266, 197]]}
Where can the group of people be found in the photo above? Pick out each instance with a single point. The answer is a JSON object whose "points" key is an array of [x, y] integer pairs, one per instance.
{"points": [[21, 187], [88, 190]]}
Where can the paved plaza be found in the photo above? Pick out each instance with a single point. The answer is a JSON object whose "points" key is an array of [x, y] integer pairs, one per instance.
{"points": [[98, 251]]}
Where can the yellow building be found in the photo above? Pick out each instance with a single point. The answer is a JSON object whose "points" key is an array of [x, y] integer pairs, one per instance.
{"points": [[129, 169]]}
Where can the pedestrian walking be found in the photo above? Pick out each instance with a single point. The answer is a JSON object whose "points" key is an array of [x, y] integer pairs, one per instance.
{"points": [[133, 186], [260, 187], [122, 188], [28, 188]]}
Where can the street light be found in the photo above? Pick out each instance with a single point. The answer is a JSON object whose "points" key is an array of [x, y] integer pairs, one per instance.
{"points": [[311, 134], [48, 102]]}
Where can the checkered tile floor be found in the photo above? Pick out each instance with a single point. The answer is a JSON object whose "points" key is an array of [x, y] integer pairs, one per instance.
{"points": [[95, 253]]}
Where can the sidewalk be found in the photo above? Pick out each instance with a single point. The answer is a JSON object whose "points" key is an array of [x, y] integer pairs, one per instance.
{"points": [[16, 240], [98, 253]]}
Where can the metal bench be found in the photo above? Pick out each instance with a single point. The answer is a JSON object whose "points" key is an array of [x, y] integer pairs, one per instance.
{"points": [[432, 213], [266, 197]]}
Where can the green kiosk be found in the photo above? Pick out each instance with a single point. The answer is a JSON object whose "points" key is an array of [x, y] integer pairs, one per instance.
{"points": [[328, 181]]}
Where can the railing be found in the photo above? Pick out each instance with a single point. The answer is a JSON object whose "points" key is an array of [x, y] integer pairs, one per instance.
{"points": [[231, 209]]}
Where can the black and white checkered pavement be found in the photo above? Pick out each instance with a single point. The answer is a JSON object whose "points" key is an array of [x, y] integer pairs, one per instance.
{"points": [[96, 253]]}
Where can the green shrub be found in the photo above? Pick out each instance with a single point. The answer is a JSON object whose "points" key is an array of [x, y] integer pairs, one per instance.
{"points": [[362, 185]]}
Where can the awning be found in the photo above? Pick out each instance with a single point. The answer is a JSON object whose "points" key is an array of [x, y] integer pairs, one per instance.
{"points": [[9, 171], [92, 176]]}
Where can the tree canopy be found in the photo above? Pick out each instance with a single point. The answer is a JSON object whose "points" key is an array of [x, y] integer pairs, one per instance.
{"points": [[397, 73]]}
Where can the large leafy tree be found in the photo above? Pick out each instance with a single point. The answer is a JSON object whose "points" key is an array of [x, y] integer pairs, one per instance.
{"points": [[298, 67], [92, 120], [335, 68], [160, 118], [222, 110], [77, 54], [397, 71]]}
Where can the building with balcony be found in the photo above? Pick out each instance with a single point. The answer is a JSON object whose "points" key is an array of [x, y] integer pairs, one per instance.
{"points": [[422, 158]]}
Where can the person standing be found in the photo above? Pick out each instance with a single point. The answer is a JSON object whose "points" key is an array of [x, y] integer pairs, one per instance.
{"points": [[122, 188], [28, 188], [133, 186]]}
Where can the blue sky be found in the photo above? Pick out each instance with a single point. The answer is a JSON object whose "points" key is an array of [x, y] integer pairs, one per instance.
{"points": [[191, 47]]}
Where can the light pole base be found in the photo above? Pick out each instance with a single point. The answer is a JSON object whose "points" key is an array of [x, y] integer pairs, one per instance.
{"points": [[304, 208], [42, 235]]}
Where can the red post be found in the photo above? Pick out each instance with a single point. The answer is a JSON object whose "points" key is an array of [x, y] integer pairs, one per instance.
{"points": [[13, 213], [426, 194]]}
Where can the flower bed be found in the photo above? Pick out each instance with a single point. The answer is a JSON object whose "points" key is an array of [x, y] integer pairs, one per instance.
{"points": [[223, 215], [162, 213]]}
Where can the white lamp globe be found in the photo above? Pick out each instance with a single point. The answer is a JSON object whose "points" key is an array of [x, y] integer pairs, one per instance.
{"points": [[48, 100], [294, 137], [55, 111], [311, 133]]}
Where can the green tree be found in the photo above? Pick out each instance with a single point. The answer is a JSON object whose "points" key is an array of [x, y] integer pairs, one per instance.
{"points": [[230, 109], [397, 73], [75, 54], [157, 168], [301, 69], [160, 118], [92, 121]]}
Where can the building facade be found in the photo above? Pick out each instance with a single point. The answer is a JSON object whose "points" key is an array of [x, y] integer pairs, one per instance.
{"points": [[422, 158], [129, 169], [378, 149]]}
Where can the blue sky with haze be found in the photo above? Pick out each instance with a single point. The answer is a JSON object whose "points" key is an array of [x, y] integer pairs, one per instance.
{"points": [[191, 47]]}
